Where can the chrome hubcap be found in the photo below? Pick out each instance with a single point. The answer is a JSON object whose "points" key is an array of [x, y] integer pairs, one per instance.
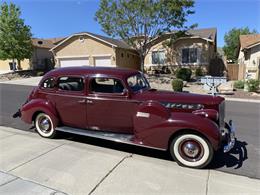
{"points": [[44, 124], [191, 150]]}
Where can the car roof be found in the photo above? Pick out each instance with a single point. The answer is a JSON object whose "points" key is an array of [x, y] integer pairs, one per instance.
{"points": [[90, 70]]}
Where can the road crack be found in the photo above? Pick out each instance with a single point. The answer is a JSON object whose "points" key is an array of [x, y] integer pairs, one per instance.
{"points": [[22, 164], [101, 181]]}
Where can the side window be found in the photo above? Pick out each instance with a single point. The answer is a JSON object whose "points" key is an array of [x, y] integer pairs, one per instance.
{"points": [[70, 84], [48, 83], [106, 85]]}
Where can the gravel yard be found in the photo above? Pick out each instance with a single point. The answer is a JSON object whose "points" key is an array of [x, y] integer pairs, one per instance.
{"points": [[163, 82], [19, 75]]}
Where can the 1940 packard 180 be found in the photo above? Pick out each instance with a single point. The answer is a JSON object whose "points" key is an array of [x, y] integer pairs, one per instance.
{"points": [[119, 105]]}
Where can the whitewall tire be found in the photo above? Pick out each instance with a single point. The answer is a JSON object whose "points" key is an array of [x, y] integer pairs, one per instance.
{"points": [[191, 150], [44, 125]]}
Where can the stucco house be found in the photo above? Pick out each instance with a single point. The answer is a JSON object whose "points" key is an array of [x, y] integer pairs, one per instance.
{"points": [[42, 57], [196, 48], [94, 50], [249, 56]]}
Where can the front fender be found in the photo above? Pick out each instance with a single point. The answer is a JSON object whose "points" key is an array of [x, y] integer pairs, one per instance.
{"points": [[155, 129], [38, 105]]}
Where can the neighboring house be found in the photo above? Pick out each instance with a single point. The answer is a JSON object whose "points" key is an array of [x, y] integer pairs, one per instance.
{"points": [[195, 49], [41, 59], [88, 49], [249, 56]]}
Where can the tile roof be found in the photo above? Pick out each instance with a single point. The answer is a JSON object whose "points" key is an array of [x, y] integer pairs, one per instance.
{"points": [[118, 43], [249, 40], [46, 43], [206, 33]]}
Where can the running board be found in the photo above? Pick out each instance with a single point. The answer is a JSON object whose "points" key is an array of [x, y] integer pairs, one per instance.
{"points": [[115, 137]]}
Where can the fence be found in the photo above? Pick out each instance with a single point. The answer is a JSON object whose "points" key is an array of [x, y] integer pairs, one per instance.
{"points": [[232, 71]]}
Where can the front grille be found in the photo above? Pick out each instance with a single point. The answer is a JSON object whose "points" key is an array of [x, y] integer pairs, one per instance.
{"points": [[222, 115]]}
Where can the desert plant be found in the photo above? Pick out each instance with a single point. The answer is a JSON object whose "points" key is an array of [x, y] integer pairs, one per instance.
{"points": [[177, 85], [253, 85], [184, 74], [239, 84], [199, 72]]}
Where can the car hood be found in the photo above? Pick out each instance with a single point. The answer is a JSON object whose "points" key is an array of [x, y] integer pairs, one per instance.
{"points": [[177, 97]]}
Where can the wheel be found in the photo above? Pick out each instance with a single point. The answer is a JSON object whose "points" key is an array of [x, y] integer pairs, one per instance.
{"points": [[191, 150], [44, 126]]}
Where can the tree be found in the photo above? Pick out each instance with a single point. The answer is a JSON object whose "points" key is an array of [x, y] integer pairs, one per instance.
{"points": [[231, 38], [15, 36], [138, 22]]}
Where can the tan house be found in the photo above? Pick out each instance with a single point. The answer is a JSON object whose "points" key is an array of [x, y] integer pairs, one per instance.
{"points": [[88, 49], [249, 57], [196, 48], [41, 59]]}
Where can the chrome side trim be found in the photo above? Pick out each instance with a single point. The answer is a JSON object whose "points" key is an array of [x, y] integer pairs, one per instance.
{"points": [[115, 137]]}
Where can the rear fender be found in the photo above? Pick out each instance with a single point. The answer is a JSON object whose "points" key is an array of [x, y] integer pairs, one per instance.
{"points": [[35, 106], [155, 125]]}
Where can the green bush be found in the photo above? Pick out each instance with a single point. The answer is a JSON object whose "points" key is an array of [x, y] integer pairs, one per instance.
{"points": [[184, 74], [177, 84], [239, 84], [199, 72], [39, 73], [253, 85]]}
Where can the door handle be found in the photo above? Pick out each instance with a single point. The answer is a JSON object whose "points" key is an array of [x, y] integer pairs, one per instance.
{"points": [[81, 101], [89, 102]]}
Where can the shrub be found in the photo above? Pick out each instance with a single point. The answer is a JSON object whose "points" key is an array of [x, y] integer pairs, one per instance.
{"points": [[39, 73], [177, 84], [199, 72], [239, 84], [253, 85], [184, 74]]}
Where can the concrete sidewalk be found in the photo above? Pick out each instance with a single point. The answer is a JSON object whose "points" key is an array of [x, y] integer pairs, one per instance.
{"points": [[30, 164]]}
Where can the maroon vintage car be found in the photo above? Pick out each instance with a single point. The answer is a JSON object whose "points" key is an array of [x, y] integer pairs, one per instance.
{"points": [[119, 105]]}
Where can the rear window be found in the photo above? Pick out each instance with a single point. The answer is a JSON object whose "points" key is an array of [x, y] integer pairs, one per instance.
{"points": [[48, 83], [71, 83]]}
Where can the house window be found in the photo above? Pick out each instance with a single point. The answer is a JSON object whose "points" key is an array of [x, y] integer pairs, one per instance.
{"points": [[189, 55], [158, 57]]}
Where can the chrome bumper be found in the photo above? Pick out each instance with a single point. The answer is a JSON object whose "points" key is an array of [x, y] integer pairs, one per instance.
{"points": [[231, 139]]}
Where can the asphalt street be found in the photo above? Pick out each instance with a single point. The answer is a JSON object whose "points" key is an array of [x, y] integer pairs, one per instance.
{"points": [[244, 159]]}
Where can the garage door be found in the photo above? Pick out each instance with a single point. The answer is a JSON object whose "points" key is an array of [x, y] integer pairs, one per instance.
{"points": [[74, 62], [103, 61]]}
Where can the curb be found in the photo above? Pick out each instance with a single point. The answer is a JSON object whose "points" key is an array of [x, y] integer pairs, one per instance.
{"points": [[242, 100]]}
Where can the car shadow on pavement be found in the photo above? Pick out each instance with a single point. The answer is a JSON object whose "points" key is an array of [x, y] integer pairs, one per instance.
{"points": [[235, 158]]}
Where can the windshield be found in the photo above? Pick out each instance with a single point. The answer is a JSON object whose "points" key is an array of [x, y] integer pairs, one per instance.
{"points": [[138, 82]]}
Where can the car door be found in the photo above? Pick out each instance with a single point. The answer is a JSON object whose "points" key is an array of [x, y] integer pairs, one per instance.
{"points": [[108, 105], [70, 101]]}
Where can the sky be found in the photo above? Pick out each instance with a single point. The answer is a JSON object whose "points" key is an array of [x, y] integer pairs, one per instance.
{"points": [[60, 18]]}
